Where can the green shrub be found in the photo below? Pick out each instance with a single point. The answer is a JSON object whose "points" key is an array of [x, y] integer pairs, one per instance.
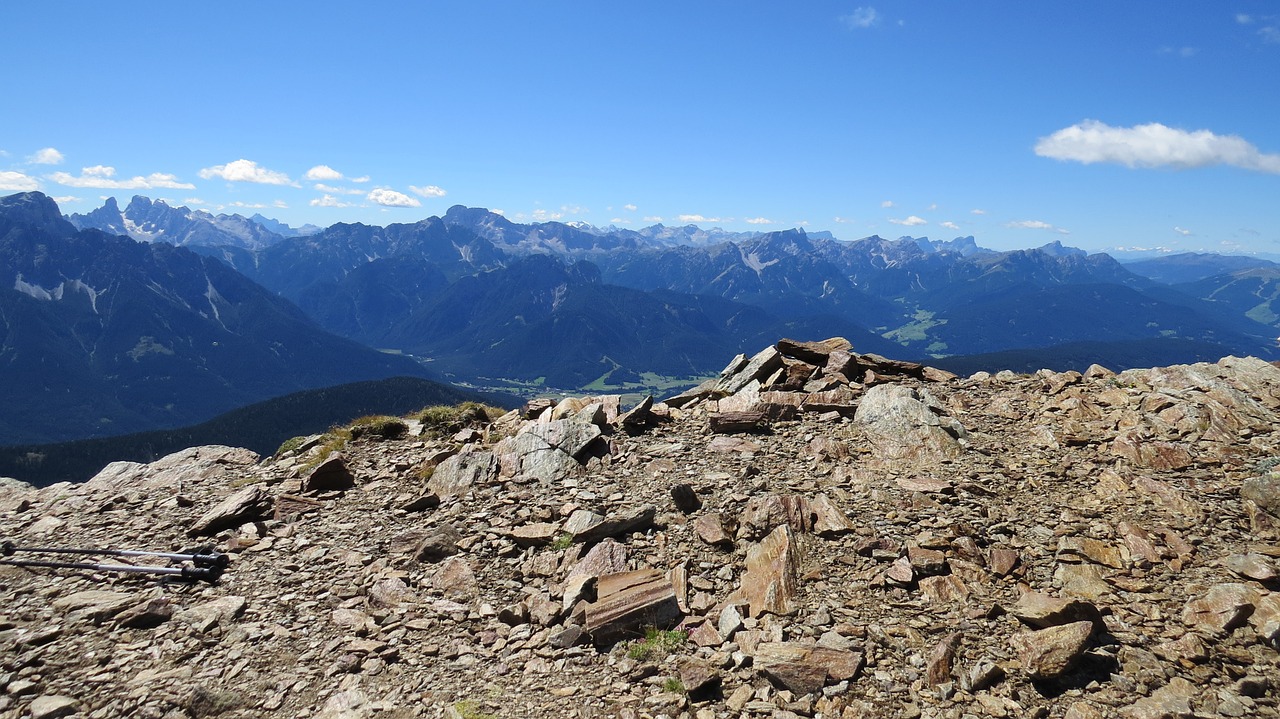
{"points": [[290, 445], [380, 426], [657, 643], [441, 420]]}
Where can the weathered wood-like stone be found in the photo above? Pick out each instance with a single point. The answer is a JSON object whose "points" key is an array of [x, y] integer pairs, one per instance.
{"points": [[814, 353], [710, 529], [736, 422], [939, 665], [769, 583], [628, 602]]}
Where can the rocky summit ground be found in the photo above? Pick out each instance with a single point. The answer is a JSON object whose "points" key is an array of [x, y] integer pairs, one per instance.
{"points": [[815, 533]]}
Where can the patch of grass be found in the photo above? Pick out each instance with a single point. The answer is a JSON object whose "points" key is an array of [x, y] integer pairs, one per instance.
{"points": [[673, 686], [378, 426], [564, 541], [1267, 466], [470, 709], [290, 444], [657, 643], [442, 420]]}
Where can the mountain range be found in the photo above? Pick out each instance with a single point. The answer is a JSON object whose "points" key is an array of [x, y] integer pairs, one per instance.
{"points": [[101, 334], [485, 301]]}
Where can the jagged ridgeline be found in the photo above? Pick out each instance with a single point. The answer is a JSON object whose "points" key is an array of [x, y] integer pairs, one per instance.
{"points": [[261, 427], [815, 532]]}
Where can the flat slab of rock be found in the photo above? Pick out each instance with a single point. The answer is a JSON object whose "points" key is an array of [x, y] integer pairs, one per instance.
{"points": [[1039, 611], [457, 474], [1222, 609], [635, 520], [248, 505], [805, 669], [204, 617], [628, 602]]}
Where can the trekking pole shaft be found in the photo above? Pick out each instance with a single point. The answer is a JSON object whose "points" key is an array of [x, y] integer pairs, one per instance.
{"points": [[185, 572]]}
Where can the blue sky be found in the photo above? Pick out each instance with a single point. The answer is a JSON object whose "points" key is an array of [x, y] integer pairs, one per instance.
{"points": [[1100, 124]]}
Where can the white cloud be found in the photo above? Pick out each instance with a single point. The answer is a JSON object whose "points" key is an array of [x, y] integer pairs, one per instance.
{"points": [[911, 221], [841, 220], [338, 190], [1153, 145], [364, 178], [245, 171], [103, 177], [248, 205], [17, 181], [1037, 225], [496, 211], [323, 172], [1244, 19], [697, 218], [651, 218], [546, 216], [933, 206], [950, 225], [279, 204], [759, 221], [64, 199], [573, 209], [46, 156], [619, 221], [194, 201], [862, 17], [976, 211], [390, 198], [1181, 231], [887, 204], [1271, 33], [428, 191], [329, 201], [629, 207]]}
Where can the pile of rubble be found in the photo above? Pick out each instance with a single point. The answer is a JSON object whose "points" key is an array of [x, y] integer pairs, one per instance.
{"points": [[816, 533]]}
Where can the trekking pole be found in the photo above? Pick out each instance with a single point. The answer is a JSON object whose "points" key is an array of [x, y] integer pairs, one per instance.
{"points": [[208, 574], [205, 558]]}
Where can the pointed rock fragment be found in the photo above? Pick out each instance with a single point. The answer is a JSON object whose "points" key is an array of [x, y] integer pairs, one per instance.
{"points": [[248, 505], [1050, 653]]}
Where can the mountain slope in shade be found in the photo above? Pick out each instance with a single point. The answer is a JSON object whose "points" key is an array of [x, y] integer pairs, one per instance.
{"points": [[541, 318], [1253, 292], [261, 427], [101, 335]]}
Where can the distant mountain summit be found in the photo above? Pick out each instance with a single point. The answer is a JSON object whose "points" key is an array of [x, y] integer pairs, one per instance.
{"points": [[148, 220]]}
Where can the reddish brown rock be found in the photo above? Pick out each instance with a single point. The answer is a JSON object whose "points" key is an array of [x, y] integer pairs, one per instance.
{"points": [[628, 602], [805, 669], [769, 583], [1050, 653]]}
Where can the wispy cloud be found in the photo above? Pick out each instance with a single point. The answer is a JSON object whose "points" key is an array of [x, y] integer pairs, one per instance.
{"points": [[911, 221], [323, 173], [629, 207], [18, 182], [1179, 51], [542, 215], [390, 198], [949, 225], [428, 191], [1153, 145], [363, 178], [860, 18], [759, 221], [1182, 231], [1244, 19], [337, 190], [651, 218], [46, 156], [103, 177], [697, 218], [329, 201], [977, 211], [65, 199], [245, 171], [1037, 225], [886, 204]]}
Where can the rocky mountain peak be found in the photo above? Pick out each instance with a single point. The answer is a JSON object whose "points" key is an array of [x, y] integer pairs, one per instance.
{"points": [[34, 209], [813, 533]]}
